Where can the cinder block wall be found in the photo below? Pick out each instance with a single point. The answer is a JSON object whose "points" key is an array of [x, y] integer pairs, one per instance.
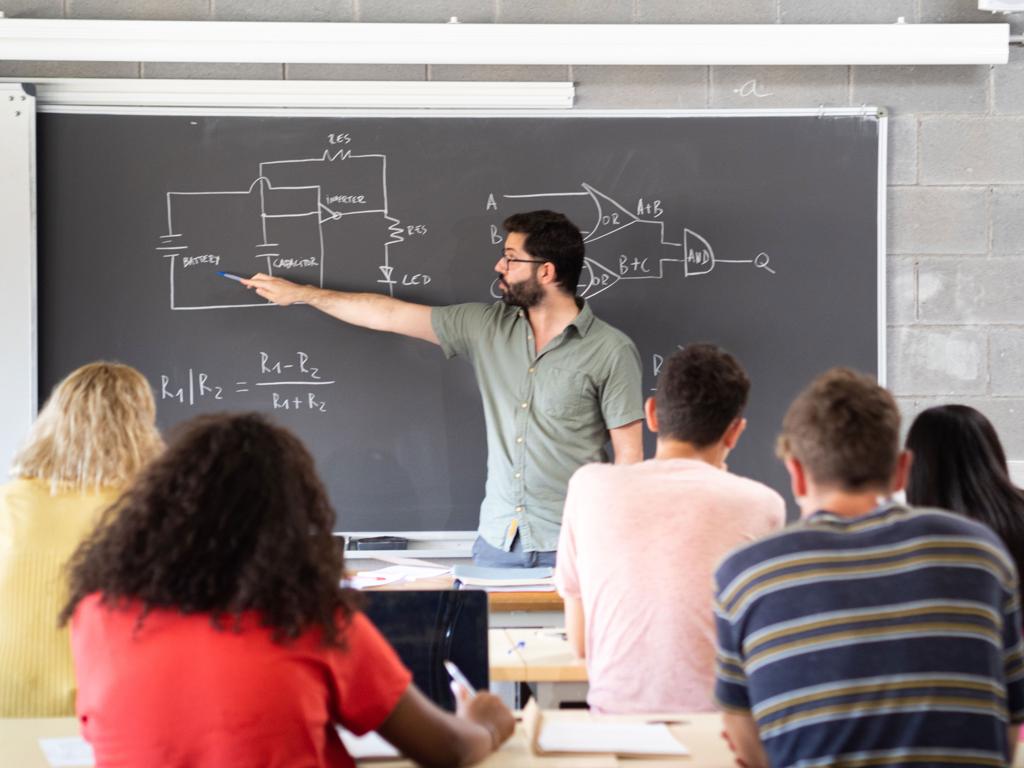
{"points": [[956, 149]]}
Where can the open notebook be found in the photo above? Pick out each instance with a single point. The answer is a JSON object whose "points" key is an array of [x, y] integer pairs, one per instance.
{"points": [[579, 735]]}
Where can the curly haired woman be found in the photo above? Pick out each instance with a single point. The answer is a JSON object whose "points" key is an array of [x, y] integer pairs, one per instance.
{"points": [[93, 435], [209, 627]]}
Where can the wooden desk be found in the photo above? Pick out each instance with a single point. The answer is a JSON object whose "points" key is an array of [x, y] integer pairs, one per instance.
{"points": [[19, 739], [498, 602], [509, 602], [534, 655], [542, 658], [19, 747]]}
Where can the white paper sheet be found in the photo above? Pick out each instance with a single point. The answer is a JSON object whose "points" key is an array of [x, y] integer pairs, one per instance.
{"points": [[66, 752], [407, 572], [367, 747], [602, 736], [365, 579], [384, 557], [76, 751], [392, 574]]}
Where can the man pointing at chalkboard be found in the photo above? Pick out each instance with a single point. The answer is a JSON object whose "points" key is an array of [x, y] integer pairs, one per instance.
{"points": [[556, 381]]}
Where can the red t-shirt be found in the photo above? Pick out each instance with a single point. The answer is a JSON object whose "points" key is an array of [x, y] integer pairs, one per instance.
{"points": [[177, 692]]}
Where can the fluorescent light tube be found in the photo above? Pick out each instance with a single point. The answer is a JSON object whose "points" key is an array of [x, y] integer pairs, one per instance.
{"points": [[454, 43]]}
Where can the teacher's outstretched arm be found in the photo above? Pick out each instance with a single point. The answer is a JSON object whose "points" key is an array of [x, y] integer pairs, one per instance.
{"points": [[368, 310]]}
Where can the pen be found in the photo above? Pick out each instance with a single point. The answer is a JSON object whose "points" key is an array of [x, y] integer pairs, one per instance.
{"points": [[520, 644], [230, 276], [456, 674]]}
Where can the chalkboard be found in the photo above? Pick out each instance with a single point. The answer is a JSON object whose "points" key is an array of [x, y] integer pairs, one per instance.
{"points": [[759, 233]]}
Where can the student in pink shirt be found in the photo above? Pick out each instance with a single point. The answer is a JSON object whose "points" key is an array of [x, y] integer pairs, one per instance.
{"points": [[639, 543]]}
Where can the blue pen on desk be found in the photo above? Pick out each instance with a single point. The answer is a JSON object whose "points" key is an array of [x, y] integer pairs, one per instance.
{"points": [[519, 645], [230, 276]]}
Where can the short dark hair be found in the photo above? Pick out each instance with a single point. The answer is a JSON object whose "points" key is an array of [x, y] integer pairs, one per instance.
{"points": [[231, 518], [845, 429], [959, 464], [550, 236], [702, 389]]}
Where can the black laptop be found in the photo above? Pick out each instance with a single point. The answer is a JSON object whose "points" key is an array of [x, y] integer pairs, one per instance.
{"points": [[426, 627]]}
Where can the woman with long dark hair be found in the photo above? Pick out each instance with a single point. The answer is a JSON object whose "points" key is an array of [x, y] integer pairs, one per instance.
{"points": [[959, 464], [209, 627]]}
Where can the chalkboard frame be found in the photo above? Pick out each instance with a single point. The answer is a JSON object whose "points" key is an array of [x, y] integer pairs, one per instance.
{"points": [[18, 377], [431, 539]]}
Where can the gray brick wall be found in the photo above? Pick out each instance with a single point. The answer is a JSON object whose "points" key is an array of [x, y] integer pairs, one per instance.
{"points": [[956, 149]]}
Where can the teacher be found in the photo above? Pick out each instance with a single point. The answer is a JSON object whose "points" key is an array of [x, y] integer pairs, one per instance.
{"points": [[557, 383]]}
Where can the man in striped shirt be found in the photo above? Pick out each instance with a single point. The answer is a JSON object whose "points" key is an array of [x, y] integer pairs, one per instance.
{"points": [[868, 634]]}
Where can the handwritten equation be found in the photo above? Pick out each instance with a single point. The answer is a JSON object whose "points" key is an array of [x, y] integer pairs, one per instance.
{"points": [[285, 384]]}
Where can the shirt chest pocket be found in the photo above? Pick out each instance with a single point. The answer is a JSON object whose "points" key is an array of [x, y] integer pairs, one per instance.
{"points": [[563, 393]]}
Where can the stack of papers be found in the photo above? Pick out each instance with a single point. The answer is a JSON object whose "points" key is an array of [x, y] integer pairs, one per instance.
{"points": [[506, 579], [392, 574]]}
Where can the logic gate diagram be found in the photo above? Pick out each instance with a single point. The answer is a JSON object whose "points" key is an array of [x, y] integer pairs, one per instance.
{"points": [[294, 213], [603, 221]]}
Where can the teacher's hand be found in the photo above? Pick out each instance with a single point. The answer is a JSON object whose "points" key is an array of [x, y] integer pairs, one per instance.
{"points": [[278, 290]]}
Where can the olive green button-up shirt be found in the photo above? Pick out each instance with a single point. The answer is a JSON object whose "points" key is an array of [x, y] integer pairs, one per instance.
{"points": [[547, 413]]}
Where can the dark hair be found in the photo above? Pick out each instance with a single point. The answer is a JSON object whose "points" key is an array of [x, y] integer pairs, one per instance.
{"points": [[551, 237], [702, 389], [845, 429], [959, 464], [231, 518]]}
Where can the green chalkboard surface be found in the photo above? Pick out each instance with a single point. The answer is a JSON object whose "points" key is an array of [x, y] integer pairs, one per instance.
{"points": [[758, 232]]}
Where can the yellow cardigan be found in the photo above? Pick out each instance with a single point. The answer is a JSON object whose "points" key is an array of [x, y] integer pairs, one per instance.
{"points": [[38, 534]]}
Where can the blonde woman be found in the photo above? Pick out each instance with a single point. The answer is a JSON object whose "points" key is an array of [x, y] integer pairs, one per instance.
{"points": [[93, 435]]}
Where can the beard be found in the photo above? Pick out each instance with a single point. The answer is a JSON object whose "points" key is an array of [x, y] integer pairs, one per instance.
{"points": [[525, 294]]}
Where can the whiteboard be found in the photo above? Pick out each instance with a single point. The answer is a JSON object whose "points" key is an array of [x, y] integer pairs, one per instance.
{"points": [[18, 374]]}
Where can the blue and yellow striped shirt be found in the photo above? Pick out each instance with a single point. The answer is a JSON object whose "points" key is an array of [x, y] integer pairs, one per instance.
{"points": [[888, 639]]}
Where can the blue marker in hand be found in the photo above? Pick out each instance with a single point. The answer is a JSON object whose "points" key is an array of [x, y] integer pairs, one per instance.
{"points": [[230, 276]]}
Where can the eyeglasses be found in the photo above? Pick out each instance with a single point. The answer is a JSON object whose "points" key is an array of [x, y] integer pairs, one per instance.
{"points": [[509, 260]]}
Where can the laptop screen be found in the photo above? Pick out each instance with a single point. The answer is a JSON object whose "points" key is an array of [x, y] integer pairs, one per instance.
{"points": [[428, 627]]}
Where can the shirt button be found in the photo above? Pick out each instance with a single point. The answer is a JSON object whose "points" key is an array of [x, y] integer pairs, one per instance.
{"points": [[520, 313], [519, 439], [523, 405], [519, 509], [530, 370], [518, 475]]}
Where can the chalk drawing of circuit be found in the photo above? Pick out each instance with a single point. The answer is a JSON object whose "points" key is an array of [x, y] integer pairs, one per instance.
{"points": [[283, 224], [608, 222]]}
